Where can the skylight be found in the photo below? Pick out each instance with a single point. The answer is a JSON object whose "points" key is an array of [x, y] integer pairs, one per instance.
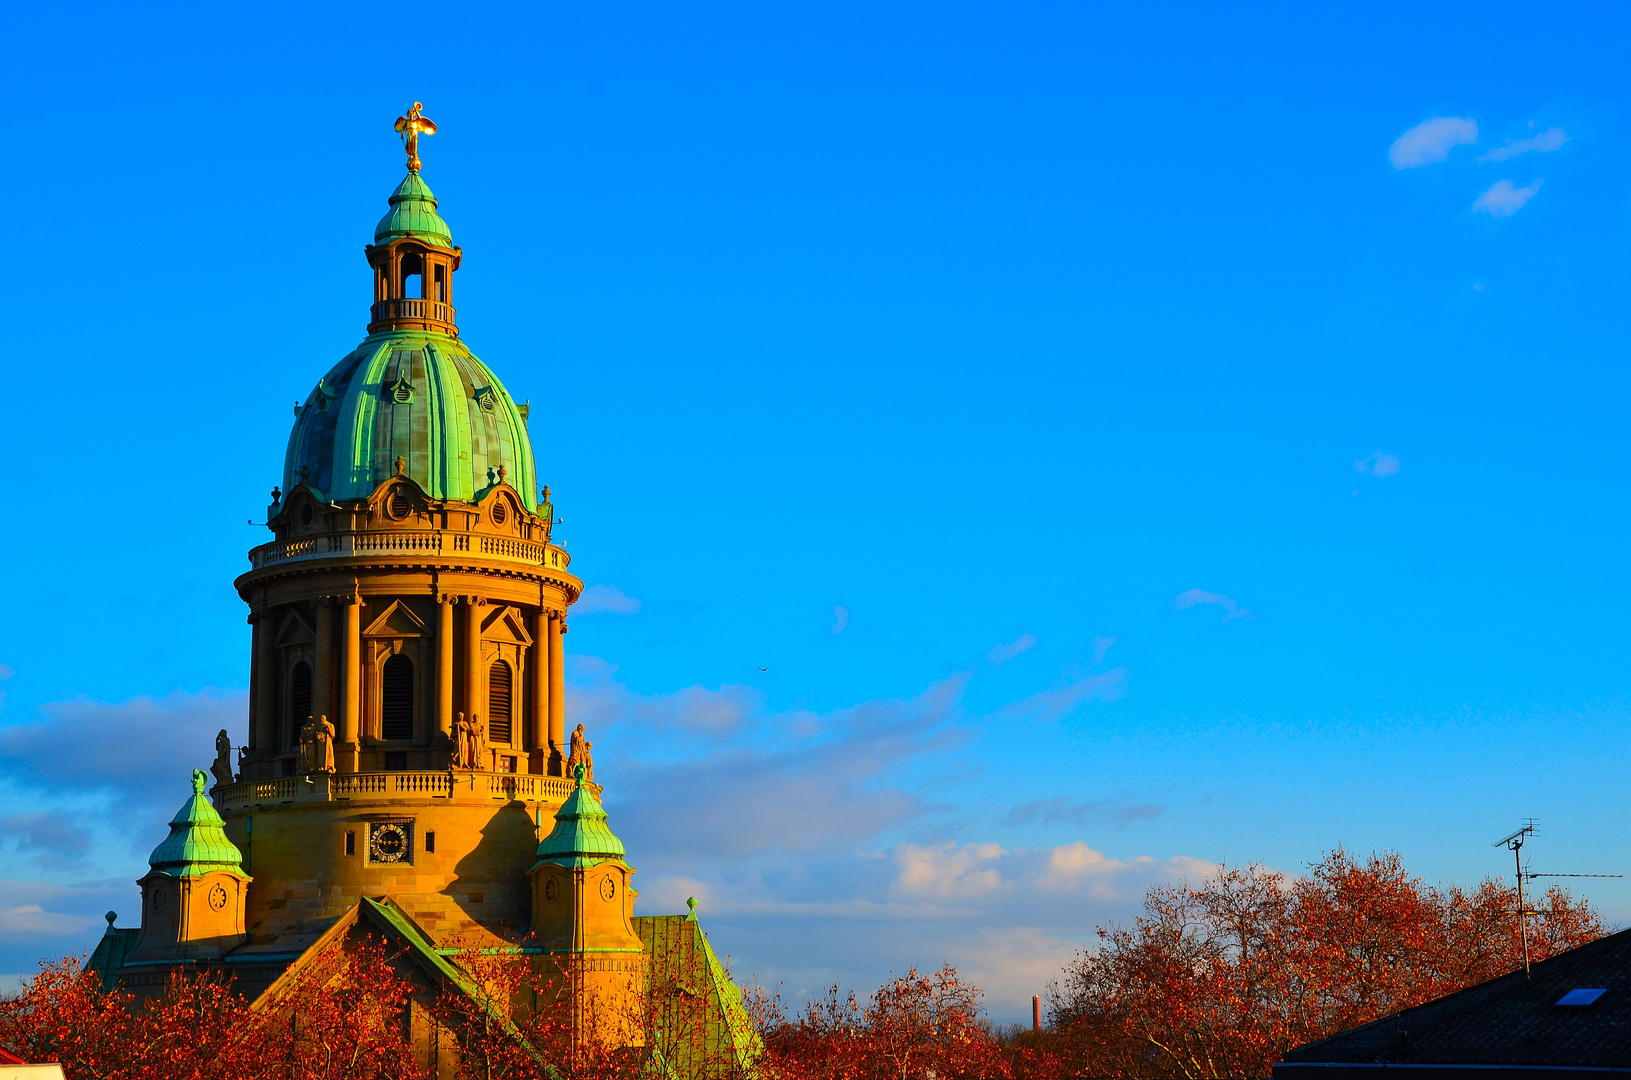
{"points": [[1580, 996]]}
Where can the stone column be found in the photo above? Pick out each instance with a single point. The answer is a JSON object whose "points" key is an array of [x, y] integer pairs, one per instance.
{"points": [[557, 687], [538, 746], [351, 714], [266, 680], [253, 740], [322, 690], [475, 682], [444, 665]]}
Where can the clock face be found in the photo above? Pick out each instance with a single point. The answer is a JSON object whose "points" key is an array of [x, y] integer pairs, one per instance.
{"points": [[218, 897], [608, 888], [390, 842]]}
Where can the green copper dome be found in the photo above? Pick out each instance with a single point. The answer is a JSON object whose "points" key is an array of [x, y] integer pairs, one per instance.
{"points": [[197, 843], [581, 836], [413, 215], [420, 395]]}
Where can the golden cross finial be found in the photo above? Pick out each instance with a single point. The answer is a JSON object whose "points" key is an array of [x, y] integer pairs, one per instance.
{"points": [[410, 127]]}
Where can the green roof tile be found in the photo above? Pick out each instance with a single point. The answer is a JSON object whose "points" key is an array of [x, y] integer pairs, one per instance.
{"points": [[197, 843], [417, 394], [581, 836], [413, 215]]}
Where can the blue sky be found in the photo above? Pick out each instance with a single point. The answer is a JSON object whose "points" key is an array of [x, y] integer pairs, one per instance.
{"points": [[1130, 442]]}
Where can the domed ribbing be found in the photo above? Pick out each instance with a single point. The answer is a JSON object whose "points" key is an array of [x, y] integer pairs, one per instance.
{"points": [[413, 215], [416, 394], [581, 836], [197, 842]]}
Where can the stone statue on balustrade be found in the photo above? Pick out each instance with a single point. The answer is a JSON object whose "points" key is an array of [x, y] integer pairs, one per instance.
{"points": [[476, 736], [580, 754], [317, 746], [467, 738], [461, 741], [222, 768]]}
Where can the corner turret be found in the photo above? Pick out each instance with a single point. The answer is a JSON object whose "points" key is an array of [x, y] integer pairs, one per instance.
{"points": [[193, 895]]}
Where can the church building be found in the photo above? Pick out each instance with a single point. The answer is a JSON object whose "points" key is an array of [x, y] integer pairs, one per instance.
{"points": [[406, 765]]}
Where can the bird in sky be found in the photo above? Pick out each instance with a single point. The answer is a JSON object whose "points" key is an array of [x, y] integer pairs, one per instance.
{"points": [[764, 669]]}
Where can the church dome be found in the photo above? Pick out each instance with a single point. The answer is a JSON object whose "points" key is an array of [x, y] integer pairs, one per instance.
{"points": [[413, 216], [412, 389], [419, 395]]}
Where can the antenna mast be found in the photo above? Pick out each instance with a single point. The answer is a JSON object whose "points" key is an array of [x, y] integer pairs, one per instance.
{"points": [[1514, 842]]}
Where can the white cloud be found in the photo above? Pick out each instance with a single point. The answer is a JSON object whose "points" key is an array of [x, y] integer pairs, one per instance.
{"points": [[1001, 654], [45, 920], [1544, 143], [1503, 199], [599, 598], [840, 618], [33, 919], [948, 869], [1431, 141], [1191, 597], [1060, 701], [1377, 464], [142, 750], [6, 672]]}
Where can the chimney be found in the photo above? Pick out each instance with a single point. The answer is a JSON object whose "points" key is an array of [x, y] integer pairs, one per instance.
{"points": [[1036, 1012]]}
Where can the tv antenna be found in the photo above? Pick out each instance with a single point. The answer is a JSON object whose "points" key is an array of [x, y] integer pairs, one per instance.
{"points": [[1514, 842]]}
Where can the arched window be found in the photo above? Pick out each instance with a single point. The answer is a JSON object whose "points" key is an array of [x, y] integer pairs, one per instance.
{"points": [[396, 699], [299, 699], [498, 702]]}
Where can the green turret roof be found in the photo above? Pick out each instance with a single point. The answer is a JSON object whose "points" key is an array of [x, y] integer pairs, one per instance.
{"points": [[413, 215], [581, 836], [197, 842]]}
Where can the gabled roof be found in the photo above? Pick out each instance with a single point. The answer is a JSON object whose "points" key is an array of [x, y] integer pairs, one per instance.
{"points": [[702, 1025], [1505, 1023], [109, 955], [388, 919]]}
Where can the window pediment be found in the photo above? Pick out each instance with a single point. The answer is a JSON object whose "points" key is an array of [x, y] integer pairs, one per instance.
{"points": [[398, 620]]}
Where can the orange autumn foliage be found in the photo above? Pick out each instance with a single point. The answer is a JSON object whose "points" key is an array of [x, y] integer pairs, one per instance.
{"points": [[1218, 979], [1223, 979], [916, 1026]]}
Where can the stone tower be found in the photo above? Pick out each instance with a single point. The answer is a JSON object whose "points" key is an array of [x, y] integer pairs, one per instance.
{"points": [[583, 918], [192, 897], [407, 716]]}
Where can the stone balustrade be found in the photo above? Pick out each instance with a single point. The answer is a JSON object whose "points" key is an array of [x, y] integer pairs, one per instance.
{"points": [[409, 543], [328, 787]]}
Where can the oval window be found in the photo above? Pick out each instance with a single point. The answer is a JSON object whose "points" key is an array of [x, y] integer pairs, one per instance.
{"points": [[306, 514], [500, 512], [399, 503]]}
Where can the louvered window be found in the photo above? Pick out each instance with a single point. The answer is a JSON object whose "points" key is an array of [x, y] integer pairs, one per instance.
{"points": [[396, 699], [299, 700], [498, 702]]}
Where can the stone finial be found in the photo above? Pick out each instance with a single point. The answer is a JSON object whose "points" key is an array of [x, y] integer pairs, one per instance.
{"points": [[277, 494], [691, 903], [110, 916], [400, 464], [200, 778], [304, 473], [501, 471]]}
